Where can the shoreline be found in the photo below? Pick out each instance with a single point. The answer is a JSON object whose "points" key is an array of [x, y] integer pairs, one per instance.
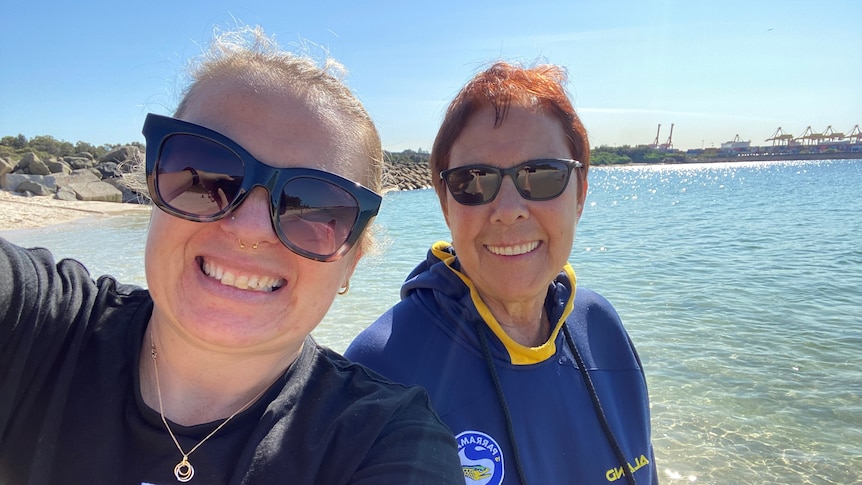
{"points": [[19, 212]]}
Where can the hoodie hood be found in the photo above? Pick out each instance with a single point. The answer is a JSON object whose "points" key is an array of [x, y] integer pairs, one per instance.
{"points": [[439, 284]]}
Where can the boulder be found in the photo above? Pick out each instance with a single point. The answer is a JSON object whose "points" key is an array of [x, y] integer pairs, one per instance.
{"points": [[79, 162], [82, 176], [35, 188], [122, 154], [55, 166], [129, 195], [32, 164], [67, 194], [28, 158], [6, 166], [97, 191], [38, 167], [12, 180], [108, 169]]}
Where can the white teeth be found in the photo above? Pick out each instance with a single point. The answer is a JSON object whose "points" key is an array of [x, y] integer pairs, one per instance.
{"points": [[515, 250], [227, 278], [243, 282]]}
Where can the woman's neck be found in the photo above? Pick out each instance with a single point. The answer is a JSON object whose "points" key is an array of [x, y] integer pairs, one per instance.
{"points": [[198, 386], [530, 331]]}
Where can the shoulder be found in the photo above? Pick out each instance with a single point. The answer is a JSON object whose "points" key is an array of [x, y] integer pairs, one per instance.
{"points": [[362, 385], [385, 430], [36, 288], [599, 333], [371, 340], [394, 337], [593, 310]]}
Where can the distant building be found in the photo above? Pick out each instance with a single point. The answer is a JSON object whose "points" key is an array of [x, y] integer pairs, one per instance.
{"points": [[735, 144]]}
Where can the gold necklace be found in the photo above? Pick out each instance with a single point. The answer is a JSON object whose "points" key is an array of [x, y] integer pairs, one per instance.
{"points": [[184, 471]]}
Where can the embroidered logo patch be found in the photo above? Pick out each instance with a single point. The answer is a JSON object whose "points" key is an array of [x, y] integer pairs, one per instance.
{"points": [[481, 458]]}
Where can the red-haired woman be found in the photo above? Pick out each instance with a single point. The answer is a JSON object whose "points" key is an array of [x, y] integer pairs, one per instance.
{"points": [[537, 379]]}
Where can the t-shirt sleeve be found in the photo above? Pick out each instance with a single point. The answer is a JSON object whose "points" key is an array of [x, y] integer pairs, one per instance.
{"points": [[40, 303], [415, 448]]}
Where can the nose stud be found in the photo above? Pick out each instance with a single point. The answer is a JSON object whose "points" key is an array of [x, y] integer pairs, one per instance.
{"points": [[242, 245]]}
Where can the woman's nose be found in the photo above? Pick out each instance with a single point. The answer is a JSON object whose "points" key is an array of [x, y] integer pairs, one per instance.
{"points": [[251, 221], [509, 206]]}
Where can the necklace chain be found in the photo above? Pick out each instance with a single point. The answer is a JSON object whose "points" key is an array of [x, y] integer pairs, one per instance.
{"points": [[184, 471]]}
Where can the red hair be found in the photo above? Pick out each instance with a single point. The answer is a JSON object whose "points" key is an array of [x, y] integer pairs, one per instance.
{"points": [[500, 85]]}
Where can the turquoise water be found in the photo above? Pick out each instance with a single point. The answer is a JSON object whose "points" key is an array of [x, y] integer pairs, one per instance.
{"points": [[740, 284]]}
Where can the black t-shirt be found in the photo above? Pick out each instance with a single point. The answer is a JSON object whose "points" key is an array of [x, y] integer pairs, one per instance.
{"points": [[71, 409]]}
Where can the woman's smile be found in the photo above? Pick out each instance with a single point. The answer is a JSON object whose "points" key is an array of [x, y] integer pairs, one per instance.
{"points": [[241, 279]]}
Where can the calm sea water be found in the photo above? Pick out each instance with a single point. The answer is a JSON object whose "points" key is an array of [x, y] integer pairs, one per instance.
{"points": [[740, 284]]}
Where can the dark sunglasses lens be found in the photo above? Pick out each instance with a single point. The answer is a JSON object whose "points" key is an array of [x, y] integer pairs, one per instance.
{"points": [[543, 180], [317, 216], [197, 176], [473, 185]]}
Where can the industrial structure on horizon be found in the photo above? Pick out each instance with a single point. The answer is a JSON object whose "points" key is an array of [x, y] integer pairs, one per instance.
{"points": [[809, 142]]}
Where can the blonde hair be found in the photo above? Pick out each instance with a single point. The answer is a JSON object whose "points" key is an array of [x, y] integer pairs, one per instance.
{"points": [[249, 55]]}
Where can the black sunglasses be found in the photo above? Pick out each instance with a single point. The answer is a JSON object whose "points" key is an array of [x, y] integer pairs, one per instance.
{"points": [[541, 179], [200, 175]]}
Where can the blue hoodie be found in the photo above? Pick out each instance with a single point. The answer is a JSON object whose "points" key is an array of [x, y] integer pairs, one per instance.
{"points": [[443, 337]]}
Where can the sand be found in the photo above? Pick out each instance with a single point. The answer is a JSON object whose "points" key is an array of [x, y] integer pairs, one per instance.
{"points": [[19, 212]]}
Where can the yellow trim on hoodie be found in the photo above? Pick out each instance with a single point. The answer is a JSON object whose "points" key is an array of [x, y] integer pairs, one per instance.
{"points": [[519, 354]]}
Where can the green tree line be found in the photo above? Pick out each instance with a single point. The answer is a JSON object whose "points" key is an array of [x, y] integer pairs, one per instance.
{"points": [[602, 155], [46, 146]]}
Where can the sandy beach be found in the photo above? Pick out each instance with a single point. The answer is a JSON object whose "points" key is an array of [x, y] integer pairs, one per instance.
{"points": [[19, 212]]}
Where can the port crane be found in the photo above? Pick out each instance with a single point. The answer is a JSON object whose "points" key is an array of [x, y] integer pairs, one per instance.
{"points": [[809, 137], [655, 142], [829, 134], [663, 146], [780, 137], [669, 144]]}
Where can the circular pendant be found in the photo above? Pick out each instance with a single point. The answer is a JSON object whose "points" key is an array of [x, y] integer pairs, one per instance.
{"points": [[184, 471]]}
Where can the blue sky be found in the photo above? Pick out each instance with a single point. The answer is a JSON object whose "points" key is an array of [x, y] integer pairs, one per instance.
{"points": [[91, 70]]}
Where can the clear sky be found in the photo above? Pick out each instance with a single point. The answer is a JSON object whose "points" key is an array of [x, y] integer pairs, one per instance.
{"points": [[91, 70]]}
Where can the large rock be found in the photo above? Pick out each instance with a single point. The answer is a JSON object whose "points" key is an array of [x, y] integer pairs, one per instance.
{"points": [[30, 187], [79, 162], [38, 167], [98, 191], [122, 154], [64, 193], [129, 196], [78, 177], [56, 166], [108, 169], [12, 180], [32, 164], [26, 160], [6, 166], [81, 176]]}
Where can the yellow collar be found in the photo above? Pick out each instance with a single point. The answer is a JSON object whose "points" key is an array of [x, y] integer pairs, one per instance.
{"points": [[519, 354]]}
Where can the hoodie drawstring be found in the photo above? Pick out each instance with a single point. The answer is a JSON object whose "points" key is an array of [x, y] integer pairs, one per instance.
{"points": [[594, 397]]}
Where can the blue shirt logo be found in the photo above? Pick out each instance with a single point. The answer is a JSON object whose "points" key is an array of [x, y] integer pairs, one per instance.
{"points": [[481, 458]]}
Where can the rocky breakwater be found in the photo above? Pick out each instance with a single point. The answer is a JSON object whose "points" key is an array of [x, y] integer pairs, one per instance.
{"points": [[82, 177], [79, 177], [406, 175]]}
